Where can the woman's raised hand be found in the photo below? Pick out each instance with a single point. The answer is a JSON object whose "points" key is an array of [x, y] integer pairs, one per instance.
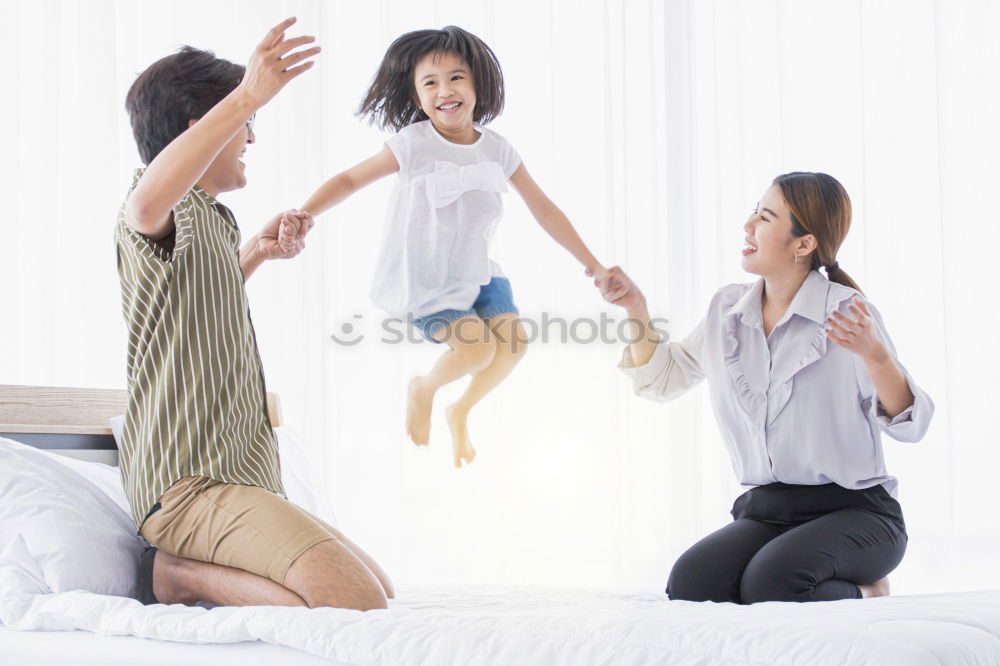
{"points": [[273, 64], [857, 334]]}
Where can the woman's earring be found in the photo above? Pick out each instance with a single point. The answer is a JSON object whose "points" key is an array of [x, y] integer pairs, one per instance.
{"points": [[796, 258]]}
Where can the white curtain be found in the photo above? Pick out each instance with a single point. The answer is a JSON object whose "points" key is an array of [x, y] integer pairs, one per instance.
{"points": [[655, 126]]}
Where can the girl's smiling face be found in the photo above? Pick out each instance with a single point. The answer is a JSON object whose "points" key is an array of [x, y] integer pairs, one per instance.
{"points": [[770, 247], [445, 91]]}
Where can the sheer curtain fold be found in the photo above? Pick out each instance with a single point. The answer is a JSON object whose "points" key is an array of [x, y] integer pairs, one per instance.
{"points": [[655, 125]]}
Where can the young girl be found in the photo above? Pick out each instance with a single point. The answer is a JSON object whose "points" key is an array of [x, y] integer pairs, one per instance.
{"points": [[437, 89], [803, 380]]}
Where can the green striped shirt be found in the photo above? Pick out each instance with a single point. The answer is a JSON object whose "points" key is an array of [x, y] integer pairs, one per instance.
{"points": [[196, 403]]}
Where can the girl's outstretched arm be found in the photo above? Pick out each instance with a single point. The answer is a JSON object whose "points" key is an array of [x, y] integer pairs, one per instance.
{"points": [[346, 183], [555, 222]]}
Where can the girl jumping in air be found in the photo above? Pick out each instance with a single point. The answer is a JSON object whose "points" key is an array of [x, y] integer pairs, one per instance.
{"points": [[437, 89]]}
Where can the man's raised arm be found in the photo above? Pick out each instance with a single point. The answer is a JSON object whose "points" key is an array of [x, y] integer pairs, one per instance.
{"points": [[179, 166]]}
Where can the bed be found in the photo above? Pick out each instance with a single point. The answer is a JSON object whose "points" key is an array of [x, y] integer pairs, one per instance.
{"points": [[55, 611]]}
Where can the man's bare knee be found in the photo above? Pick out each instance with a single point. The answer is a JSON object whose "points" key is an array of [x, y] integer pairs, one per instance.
{"points": [[185, 581], [328, 574]]}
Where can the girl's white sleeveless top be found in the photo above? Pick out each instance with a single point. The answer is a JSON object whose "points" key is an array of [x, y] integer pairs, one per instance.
{"points": [[441, 218]]}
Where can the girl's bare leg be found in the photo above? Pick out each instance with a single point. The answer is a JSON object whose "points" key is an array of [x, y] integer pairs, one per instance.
{"points": [[471, 349], [511, 345]]}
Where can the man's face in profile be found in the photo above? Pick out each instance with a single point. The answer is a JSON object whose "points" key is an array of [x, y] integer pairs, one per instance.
{"points": [[228, 171]]}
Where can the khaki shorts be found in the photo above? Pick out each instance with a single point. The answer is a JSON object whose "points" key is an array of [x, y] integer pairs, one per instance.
{"points": [[245, 527]]}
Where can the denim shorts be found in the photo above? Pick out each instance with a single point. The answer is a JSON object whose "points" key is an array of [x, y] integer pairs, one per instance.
{"points": [[494, 298]]}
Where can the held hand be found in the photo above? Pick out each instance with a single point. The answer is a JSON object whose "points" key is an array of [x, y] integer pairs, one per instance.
{"points": [[617, 288], [601, 275], [598, 272], [292, 230], [283, 237], [271, 65], [856, 334]]}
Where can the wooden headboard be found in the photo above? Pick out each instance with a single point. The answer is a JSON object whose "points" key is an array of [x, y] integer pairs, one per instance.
{"points": [[73, 421]]}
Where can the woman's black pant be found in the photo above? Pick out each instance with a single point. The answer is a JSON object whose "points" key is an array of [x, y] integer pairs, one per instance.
{"points": [[795, 543]]}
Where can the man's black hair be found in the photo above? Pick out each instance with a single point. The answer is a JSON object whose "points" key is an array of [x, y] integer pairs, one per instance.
{"points": [[174, 90]]}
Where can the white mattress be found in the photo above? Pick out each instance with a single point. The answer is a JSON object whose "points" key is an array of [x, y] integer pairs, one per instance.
{"points": [[82, 648], [432, 625]]}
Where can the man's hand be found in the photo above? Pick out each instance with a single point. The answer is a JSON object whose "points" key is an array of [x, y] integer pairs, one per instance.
{"points": [[271, 65], [283, 237]]}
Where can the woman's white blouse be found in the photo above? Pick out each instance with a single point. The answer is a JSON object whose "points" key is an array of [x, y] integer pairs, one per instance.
{"points": [[793, 407], [441, 218]]}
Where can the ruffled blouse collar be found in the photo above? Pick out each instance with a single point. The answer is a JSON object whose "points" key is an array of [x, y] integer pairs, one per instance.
{"points": [[812, 301]]}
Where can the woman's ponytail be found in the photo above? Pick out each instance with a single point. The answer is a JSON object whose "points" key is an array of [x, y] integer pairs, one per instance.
{"points": [[819, 205]]}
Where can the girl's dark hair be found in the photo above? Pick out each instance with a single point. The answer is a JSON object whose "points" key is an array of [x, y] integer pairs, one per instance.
{"points": [[819, 205], [391, 100], [174, 90]]}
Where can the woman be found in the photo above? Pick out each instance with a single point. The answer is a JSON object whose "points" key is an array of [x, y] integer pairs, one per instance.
{"points": [[803, 379]]}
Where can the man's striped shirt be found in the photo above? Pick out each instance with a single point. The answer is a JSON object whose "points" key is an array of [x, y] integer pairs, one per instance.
{"points": [[197, 404]]}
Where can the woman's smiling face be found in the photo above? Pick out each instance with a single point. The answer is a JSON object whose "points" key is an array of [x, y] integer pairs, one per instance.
{"points": [[445, 90], [770, 246]]}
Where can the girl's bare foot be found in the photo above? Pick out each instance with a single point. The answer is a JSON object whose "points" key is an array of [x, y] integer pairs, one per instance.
{"points": [[419, 400], [461, 446], [877, 589]]}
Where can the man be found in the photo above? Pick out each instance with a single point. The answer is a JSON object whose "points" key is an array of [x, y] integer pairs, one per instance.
{"points": [[198, 457]]}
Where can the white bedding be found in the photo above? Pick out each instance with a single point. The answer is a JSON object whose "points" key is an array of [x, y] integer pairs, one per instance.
{"points": [[546, 627], [82, 648], [426, 626]]}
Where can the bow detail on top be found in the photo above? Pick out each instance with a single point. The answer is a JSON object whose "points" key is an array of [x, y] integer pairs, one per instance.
{"points": [[449, 181]]}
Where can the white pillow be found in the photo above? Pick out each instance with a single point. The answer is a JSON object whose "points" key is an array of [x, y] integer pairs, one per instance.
{"points": [[15, 556], [78, 536], [299, 478], [105, 477]]}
